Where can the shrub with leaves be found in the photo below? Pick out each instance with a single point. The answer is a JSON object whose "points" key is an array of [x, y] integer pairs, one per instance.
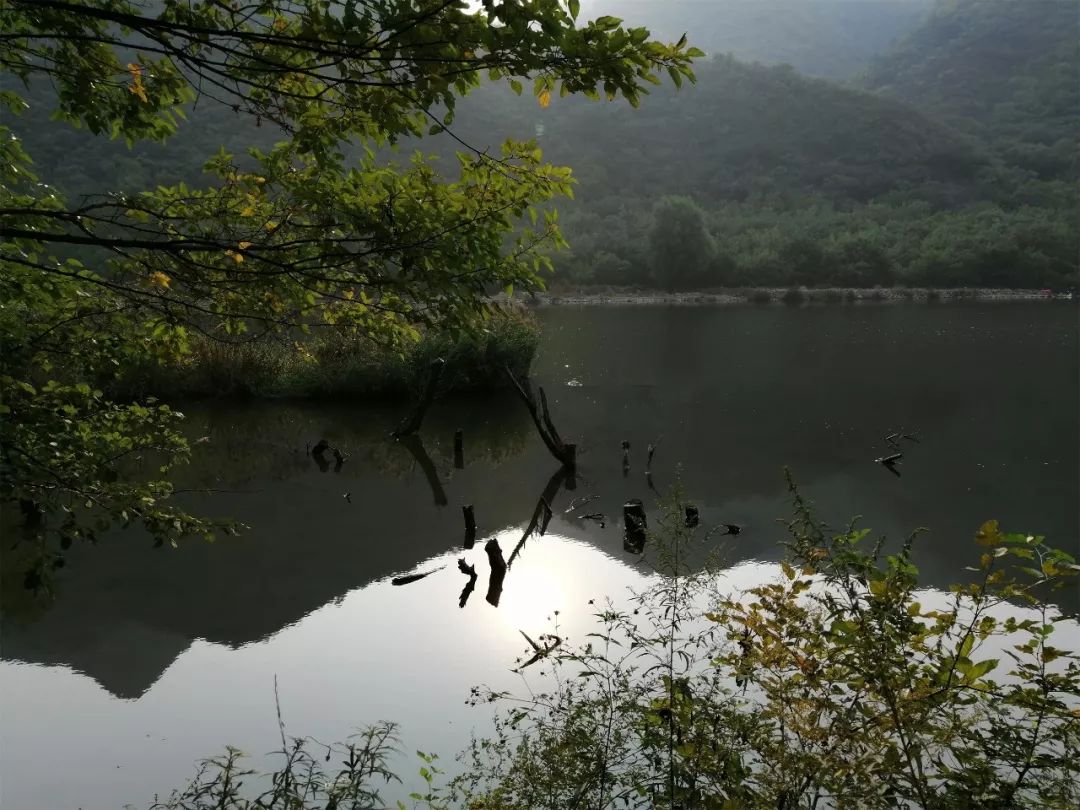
{"points": [[835, 686], [838, 683]]}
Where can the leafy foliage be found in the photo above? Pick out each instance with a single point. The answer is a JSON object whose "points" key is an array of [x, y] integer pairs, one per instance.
{"points": [[838, 682], [1004, 71], [834, 684], [310, 229]]}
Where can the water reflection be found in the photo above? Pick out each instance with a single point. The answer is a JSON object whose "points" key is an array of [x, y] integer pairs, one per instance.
{"points": [[184, 643]]}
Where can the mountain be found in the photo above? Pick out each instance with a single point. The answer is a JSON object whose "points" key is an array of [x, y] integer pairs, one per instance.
{"points": [[743, 130], [952, 162], [828, 38], [1003, 71]]}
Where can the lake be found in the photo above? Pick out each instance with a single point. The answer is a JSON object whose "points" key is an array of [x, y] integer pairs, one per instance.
{"points": [[151, 658]]}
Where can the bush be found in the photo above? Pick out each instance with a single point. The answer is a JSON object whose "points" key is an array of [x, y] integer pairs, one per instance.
{"points": [[840, 678]]}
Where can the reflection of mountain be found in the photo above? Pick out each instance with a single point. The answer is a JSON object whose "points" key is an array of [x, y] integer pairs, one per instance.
{"points": [[124, 610], [730, 394]]}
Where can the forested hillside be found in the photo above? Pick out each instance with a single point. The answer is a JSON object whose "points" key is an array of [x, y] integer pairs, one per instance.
{"points": [[1005, 71], [796, 180], [954, 166], [829, 38]]}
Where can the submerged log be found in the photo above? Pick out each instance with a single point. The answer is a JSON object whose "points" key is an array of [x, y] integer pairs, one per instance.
{"points": [[459, 449], [412, 423], [405, 580], [498, 571], [470, 526], [635, 526]]}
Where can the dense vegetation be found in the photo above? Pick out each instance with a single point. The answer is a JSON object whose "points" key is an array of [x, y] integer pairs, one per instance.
{"points": [[799, 181], [1004, 71], [336, 363], [840, 683], [936, 173], [311, 233]]}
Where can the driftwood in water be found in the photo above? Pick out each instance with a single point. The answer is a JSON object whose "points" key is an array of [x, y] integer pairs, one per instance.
{"points": [[597, 516], [625, 458], [578, 503], [414, 577], [419, 454], [635, 525], [470, 525], [318, 454], [890, 462], [542, 512], [550, 641], [498, 571], [411, 424], [564, 453], [459, 450], [466, 592]]}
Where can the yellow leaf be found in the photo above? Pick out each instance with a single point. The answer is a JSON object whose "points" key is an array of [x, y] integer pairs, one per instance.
{"points": [[160, 279], [544, 98], [248, 212], [245, 245], [236, 257], [988, 534], [280, 24], [271, 226], [136, 87]]}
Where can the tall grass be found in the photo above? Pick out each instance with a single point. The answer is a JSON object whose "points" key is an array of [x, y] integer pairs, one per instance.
{"points": [[334, 363]]}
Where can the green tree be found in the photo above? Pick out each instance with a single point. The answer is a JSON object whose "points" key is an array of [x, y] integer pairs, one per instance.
{"points": [[313, 232], [680, 246]]}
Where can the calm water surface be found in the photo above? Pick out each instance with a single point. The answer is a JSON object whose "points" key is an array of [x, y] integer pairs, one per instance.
{"points": [[149, 659]]}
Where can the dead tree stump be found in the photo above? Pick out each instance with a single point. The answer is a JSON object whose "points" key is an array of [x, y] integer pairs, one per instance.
{"points": [[565, 453]]}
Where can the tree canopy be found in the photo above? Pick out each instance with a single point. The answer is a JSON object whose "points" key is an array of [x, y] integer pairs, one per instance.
{"points": [[312, 230]]}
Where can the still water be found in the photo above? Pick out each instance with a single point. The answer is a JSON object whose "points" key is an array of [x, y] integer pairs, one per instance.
{"points": [[149, 659]]}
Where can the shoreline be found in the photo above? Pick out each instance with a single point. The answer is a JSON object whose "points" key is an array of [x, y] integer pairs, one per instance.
{"points": [[614, 296]]}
